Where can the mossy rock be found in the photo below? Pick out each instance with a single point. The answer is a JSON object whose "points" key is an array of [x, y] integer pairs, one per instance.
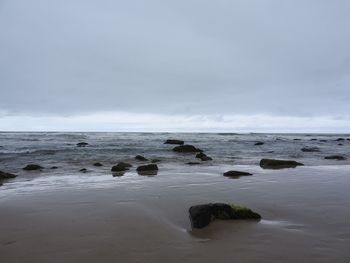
{"points": [[121, 167], [241, 212]]}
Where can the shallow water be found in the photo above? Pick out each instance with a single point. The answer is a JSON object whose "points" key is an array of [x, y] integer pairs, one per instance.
{"points": [[62, 214]]}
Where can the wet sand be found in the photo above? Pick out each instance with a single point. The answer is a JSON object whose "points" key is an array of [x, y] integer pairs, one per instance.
{"points": [[100, 218]]}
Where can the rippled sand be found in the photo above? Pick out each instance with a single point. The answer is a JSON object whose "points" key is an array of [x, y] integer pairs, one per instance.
{"points": [[95, 217]]}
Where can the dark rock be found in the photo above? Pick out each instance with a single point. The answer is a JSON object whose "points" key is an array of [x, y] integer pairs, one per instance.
{"points": [[155, 161], [310, 149], [186, 149], [193, 163], [259, 143], [140, 158], [313, 139], [98, 164], [83, 170], [32, 167], [202, 215], [148, 167], [335, 157], [278, 164], [323, 140], [82, 144], [4, 175], [340, 139], [236, 174], [340, 144], [170, 141], [203, 157], [296, 139], [54, 167], [120, 167]]}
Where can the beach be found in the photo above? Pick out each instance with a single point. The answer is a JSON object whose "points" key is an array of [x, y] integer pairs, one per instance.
{"points": [[62, 214]]}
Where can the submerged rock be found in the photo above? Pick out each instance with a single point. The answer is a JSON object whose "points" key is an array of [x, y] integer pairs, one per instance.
{"points": [[203, 157], [82, 144], [83, 170], [193, 163], [278, 164], [187, 148], [140, 158], [98, 164], [340, 139], [259, 143], [310, 149], [171, 141], [335, 157], [236, 174], [155, 161], [32, 167], [54, 167], [4, 175], [120, 167], [202, 215]]}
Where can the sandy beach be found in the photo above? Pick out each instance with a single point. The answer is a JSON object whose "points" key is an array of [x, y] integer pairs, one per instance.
{"points": [[145, 219]]}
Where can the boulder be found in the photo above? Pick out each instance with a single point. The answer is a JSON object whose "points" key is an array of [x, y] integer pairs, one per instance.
{"points": [[203, 157], [82, 144], [340, 139], [98, 164], [4, 175], [235, 174], [202, 215], [83, 170], [120, 167], [310, 149], [54, 167], [171, 141], [186, 148], [278, 164], [32, 167], [140, 158], [335, 157], [259, 143], [147, 167], [155, 161]]}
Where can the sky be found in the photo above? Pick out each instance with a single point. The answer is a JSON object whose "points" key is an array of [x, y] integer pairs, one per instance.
{"points": [[185, 65]]}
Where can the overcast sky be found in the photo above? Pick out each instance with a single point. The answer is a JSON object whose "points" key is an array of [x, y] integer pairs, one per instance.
{"points": [[183, 65]]}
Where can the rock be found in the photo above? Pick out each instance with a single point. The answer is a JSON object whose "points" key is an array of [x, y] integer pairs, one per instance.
{"points": [[82, 144], [236, 174], [323, 140], [155, 161], [193, 163], [83, 170], [335, 157], [259, 143], [32, 167], [340, 139], [278, 164], [203, 157], [98, 164], [4, 175], [186, 149], [310, 149], [170, 141], [147, 167], [296, 139], [54, 167], [313, 139], [202, 215], [120, 167], [140, 158], [148, 170], [340, 144]]}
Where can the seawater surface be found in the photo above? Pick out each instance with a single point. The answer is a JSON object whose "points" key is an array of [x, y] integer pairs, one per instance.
{"points": [[63, 214]]}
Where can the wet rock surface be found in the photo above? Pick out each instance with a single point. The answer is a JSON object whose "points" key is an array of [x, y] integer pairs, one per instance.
{"points": [[278, 164]]}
